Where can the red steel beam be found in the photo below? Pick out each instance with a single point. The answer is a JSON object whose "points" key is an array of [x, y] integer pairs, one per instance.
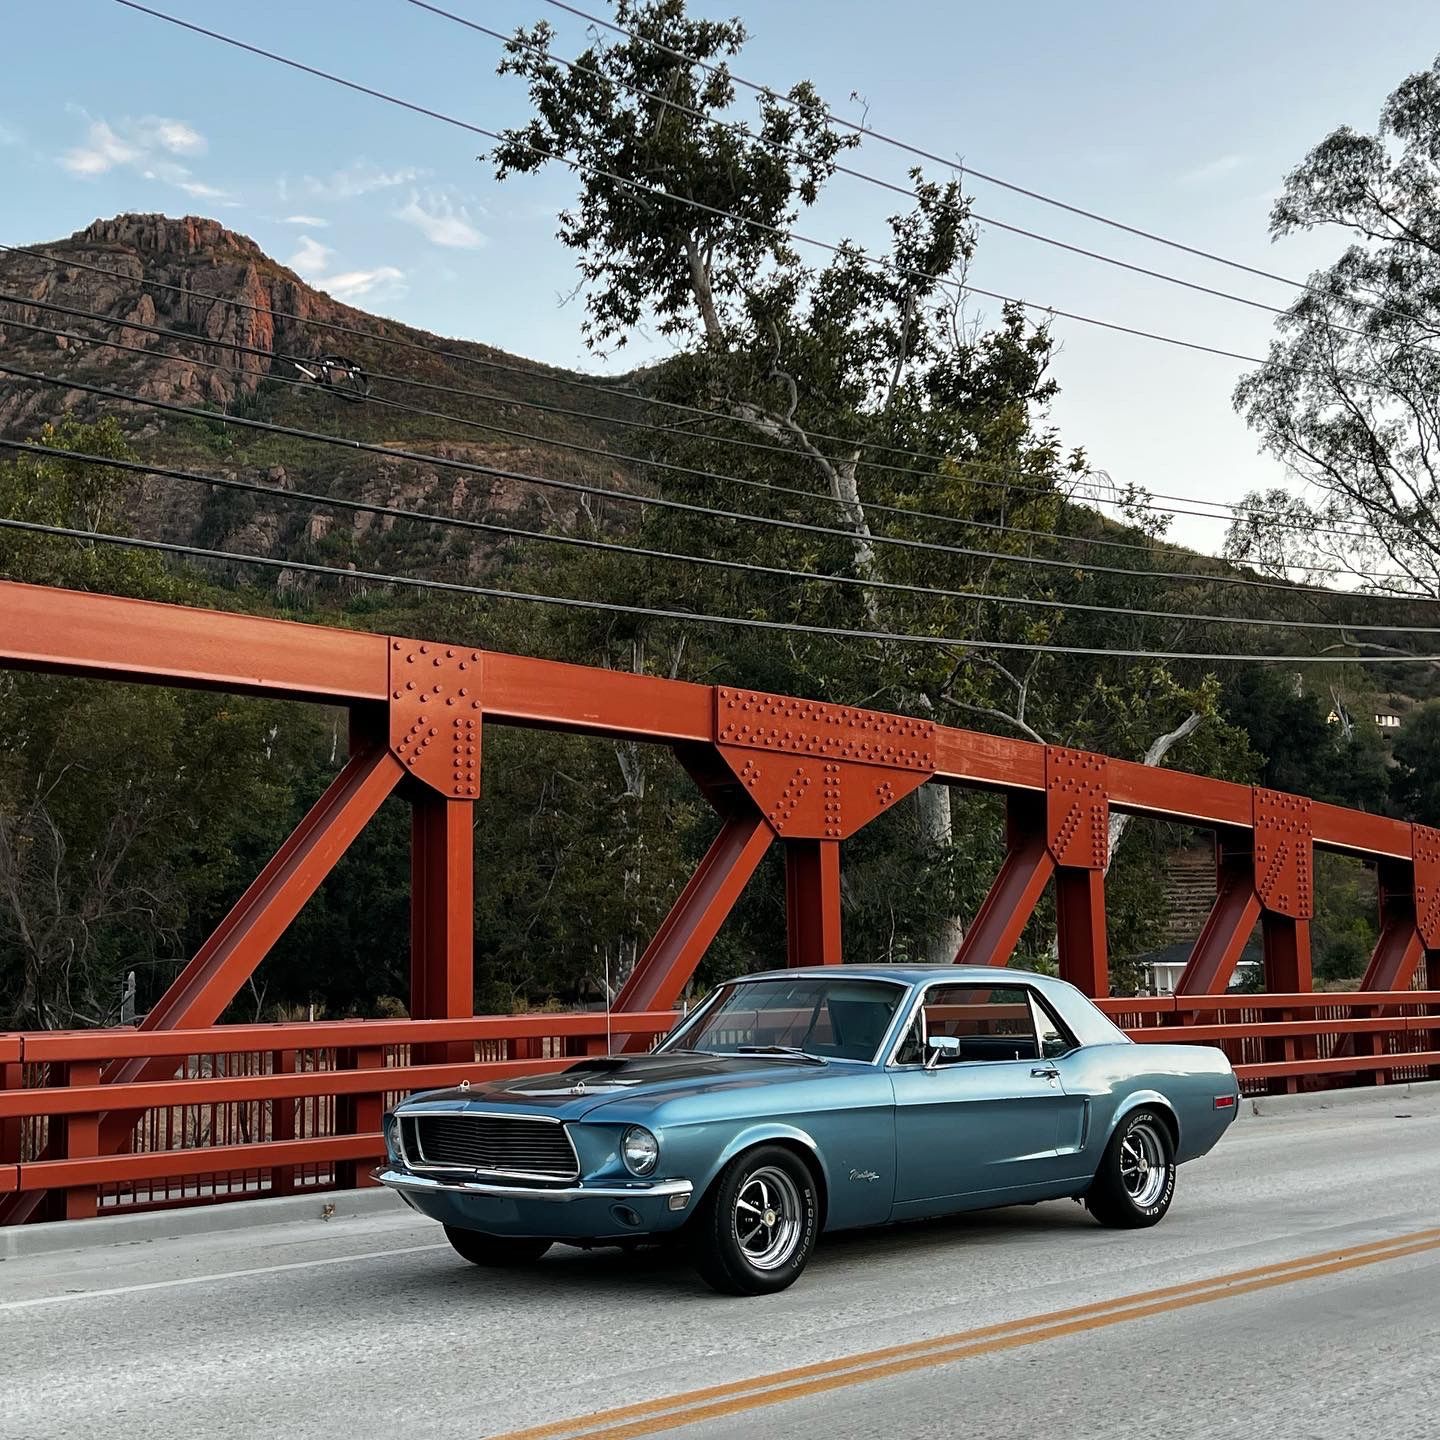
{"points": [[812, 902], [442, 915], [1397, 956], [1081, 938], [1007, 908], [69, 632], [695, 919]]}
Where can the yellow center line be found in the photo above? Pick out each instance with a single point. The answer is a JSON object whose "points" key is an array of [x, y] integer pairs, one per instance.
{"points": [[690, 1407]]}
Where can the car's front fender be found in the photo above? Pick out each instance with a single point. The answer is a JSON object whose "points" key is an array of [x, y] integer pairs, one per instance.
{"points": [[763, 1132]]}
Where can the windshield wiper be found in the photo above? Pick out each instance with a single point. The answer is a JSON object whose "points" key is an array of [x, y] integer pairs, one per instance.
{"points": [[786, 1052]]}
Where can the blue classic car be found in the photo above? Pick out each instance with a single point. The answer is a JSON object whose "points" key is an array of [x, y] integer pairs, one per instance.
{"points": [[816, 1099]]}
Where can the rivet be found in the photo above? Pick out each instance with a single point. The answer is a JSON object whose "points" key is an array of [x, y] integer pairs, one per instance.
{"points": [[394, 644], [409, 684]]}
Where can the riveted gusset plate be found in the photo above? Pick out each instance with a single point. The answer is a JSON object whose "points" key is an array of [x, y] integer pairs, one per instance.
{"points": [[435, 715], [1283, 853], [1077, 814], [817, 771], [1426, 849]]}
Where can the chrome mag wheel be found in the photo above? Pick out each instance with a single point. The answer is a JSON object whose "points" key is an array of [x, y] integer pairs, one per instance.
{"points": [[768, 1217], [1143, 1166]]}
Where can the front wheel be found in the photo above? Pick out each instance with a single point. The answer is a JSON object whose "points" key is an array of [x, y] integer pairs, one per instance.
{"points": [[1136, 1180], [496, 1252], [756, 1230]]}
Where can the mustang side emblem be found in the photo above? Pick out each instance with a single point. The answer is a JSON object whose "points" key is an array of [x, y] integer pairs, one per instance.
{"points": [[868, 1175]]}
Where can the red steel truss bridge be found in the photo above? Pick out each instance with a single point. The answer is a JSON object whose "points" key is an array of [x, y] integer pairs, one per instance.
{"points": [[182, 1110]]}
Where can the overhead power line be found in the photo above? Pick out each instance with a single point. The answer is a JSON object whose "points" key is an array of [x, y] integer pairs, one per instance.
{"points": [[959, 464], [739, 128], [776, 572], [656, 192], [629, 497], [962, 168], [671, 467], [693, 617]]}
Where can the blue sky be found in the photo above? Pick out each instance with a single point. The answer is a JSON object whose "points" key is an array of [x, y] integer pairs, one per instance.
{"points": [[1176, 119]]}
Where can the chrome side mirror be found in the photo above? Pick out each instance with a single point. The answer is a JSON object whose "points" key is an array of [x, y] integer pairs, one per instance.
{"points": [[938, 1045]]}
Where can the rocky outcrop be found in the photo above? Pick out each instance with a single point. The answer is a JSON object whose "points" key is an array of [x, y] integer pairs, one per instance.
{"points": [[239, 319]]}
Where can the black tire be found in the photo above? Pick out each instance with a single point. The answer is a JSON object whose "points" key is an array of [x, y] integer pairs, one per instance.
{"points": [[495, 1252], [1136, 1181], [777, 1191]]}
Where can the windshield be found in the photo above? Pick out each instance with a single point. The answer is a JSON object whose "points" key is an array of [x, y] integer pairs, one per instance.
{"points": [[824, 1017]]}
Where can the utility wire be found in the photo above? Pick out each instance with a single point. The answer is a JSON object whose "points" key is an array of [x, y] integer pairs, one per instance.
{"points": [[694, 617], [605, 453], [656, 192], [961, 465], [628, 497], [272, 494], [739, 128], [963, 169]]}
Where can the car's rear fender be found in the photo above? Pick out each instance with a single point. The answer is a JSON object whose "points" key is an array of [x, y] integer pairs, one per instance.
{"points": [[1146, 1100]]}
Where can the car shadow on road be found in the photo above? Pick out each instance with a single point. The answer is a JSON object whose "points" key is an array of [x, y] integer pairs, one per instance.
{"points": [[655, 1271]]}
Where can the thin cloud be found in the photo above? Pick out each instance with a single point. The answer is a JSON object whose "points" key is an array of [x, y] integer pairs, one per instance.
{"points": [[311, 258], [355, 283], [312, 222], [9, 135], [441, 222], [361, 178], [103, 151], [146, 146], [1212, 170]]}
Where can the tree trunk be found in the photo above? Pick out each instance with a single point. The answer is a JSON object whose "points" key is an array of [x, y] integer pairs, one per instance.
{"points": [[1157, 752], [933, 803]]}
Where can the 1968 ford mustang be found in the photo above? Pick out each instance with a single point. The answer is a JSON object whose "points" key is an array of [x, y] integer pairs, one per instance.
{"points": [[816, 1099]]}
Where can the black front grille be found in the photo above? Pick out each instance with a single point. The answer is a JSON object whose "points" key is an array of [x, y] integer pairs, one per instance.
{"points": [[491, 1143]]}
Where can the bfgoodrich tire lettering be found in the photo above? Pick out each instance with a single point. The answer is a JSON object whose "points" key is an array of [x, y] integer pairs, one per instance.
{"points": [[497, 1252], [757, 1227], [1136, 1180]]}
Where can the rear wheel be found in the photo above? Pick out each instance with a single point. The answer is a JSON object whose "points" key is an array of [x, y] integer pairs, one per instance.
{"points": [[1136, 1180], [497, 1252], [756, 1230]]}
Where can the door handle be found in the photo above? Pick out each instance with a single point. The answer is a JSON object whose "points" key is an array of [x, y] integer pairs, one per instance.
{"points": [[1045, 1072]]}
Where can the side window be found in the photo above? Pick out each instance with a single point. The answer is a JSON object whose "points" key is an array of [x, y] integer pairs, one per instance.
{"points": [[1055, 1038], [990, 1022]]}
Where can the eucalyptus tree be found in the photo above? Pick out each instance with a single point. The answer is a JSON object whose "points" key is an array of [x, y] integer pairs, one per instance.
{"points": [[1347, 396], [858, 377]]}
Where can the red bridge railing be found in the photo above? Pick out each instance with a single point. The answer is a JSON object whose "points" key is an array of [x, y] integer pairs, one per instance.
{"points": [[266, 1110]]}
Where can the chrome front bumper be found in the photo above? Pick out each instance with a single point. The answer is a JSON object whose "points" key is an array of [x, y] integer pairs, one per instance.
{"points": [[404, 1182]]}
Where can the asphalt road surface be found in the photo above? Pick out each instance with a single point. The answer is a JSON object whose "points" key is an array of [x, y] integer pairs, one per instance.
{"points": [[1293, 1291]]}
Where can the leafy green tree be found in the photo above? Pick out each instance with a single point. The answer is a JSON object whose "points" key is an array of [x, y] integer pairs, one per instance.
{"points": [[1417, 765], [1346, 396]]}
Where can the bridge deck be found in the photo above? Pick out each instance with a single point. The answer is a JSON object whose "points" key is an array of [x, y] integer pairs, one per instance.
{"points": [[369, 1324]]}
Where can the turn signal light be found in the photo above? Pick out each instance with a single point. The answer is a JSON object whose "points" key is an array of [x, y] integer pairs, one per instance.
{"points": [[1225, 1102]]}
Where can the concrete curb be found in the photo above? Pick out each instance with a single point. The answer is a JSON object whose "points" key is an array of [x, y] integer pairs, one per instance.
{"points": [[1370, 1097], [20, 1241]]}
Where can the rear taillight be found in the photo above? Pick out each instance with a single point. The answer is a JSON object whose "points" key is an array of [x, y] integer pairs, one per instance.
{"points": [[1225, 1102]]}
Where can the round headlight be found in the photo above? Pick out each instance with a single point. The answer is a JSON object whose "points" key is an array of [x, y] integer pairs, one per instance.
{"points": [[392, 1139], [640, 1150]]}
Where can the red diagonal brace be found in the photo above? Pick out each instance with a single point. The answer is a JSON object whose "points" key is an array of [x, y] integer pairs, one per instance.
{"points": [[694, 920], [1024, 873], [1218, 946], [244, 937]]}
